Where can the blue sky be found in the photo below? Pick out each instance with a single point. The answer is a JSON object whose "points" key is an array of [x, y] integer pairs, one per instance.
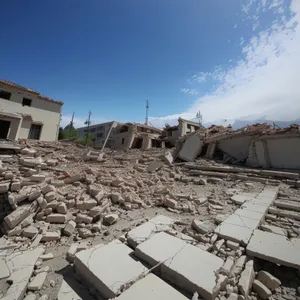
{"points": [[229, 59]]}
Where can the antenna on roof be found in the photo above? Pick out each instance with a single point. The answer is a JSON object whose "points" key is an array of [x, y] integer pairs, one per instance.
{"points": [[147, 108]]}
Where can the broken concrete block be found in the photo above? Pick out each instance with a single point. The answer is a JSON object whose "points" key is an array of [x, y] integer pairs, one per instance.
{"points": [[170, 203], [21, 266], [30, 232], [116, 197], [85, 233], [42, 202], [30, 297], [4, 187], [274, 229], [114, 257], [110, 219], [62, 208], [15, 186], [203, 227], [69, 228], [232, 245], [47, 256], [28, 152], [73, 178], [227, 267], [17, 216], [82, 218], [239, 265], [180, 262], [287, 254], [168, 158], [56, 218], [38, 281], [191, 148], [48, 188], [86, 204], [144, 289], [34, 195], [50, 236], [262, 291], [155, 165], [247, 278], [37, 178], [50, 196], [143, 232], [270, 281]]}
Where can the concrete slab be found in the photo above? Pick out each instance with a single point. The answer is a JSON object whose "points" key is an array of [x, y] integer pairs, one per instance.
{"points": [[186, 266], [67, 293], [37, 283], [234, 233], [274, 229], [248, 214], [255, 207], [191, 148], [4, 271], [21, 266], [108, 267], [149, 288], [275, 248], [242, 221], [143, 232]]}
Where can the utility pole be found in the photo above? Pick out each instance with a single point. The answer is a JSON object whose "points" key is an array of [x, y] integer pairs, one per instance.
{"points": [[147, 108], [71, 125], [87, 122]]}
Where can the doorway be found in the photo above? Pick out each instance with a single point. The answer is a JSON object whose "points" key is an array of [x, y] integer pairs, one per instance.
{"points": [[4, 128], [35, 132], [137, 143]]}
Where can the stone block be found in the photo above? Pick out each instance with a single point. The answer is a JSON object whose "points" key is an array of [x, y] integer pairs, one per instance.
{"points": [[270, 281], [82, 218], [30, 231], [17, 216], [37, 178], [110, 219], [50, 236], [170, 203], [276, 248], [50, 196], [262, 291], [73, 178], [34, 195], [15, 186], [4, 187], [186, 266], [86, 204], [143, 232], [38, 281], [48, 188], [203, 227], [69, 228], [168, 158], [149, 288], [108, 267], [61, 208], [42, 202], [246, 279], [56, 218]]}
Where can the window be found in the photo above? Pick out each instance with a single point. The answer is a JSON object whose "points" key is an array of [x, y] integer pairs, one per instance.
{"points": [[26, 102], [5, 95], [100, 128], [35, 132], [100, 135], [93, 130]]}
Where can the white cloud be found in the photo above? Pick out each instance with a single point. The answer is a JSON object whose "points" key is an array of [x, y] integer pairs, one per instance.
{"points": [[265, 82], [189, 91], [79, 121]]}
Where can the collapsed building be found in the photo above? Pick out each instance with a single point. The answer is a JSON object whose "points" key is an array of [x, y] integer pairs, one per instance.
{"points": [[171, 134], [256, 145], [136, 136]]}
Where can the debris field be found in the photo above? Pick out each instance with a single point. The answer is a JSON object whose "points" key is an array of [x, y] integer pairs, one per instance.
{"points": [[130, 224]]}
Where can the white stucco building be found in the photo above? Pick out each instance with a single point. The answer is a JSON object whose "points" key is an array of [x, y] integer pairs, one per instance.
{"points": [[26, 114]]}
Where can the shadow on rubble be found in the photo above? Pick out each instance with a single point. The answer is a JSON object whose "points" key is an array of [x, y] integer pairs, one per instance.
{"points": [[70, 278]]}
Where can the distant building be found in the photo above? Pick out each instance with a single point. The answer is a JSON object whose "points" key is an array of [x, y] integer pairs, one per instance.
{"points": [[26, 114], [136, 136], [172, 133], [100, 131]]}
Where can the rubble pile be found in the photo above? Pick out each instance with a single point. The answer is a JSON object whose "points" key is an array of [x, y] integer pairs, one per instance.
{"points": [[122, 221]]}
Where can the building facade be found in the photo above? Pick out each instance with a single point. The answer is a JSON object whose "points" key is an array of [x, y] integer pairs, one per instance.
{"points": [[99, 131], [26, 114]]}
